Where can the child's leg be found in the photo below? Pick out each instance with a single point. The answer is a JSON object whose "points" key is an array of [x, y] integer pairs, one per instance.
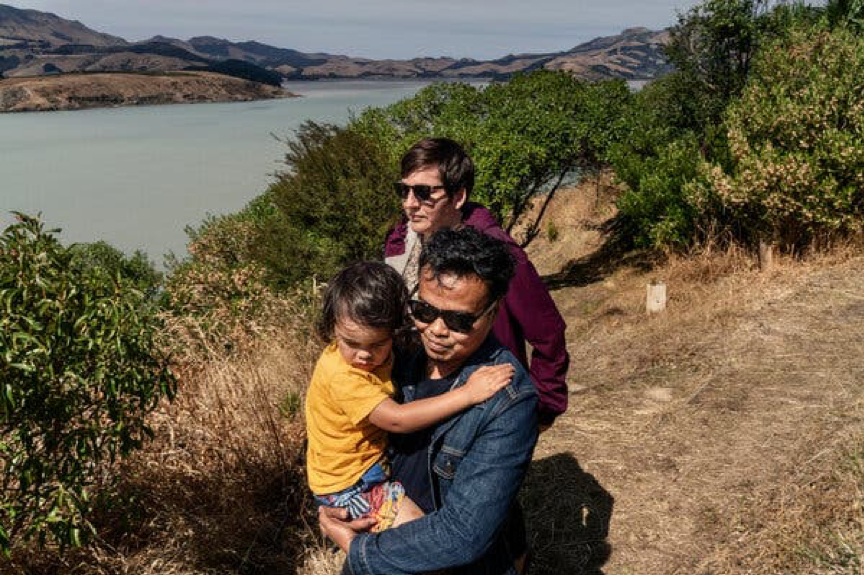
{"points": [[408, 511]]}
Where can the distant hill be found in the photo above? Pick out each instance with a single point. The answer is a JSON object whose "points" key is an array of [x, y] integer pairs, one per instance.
{"points": [[31, 28], [36, 43]]}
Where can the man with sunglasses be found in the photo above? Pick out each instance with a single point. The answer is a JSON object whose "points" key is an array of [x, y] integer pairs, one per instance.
{"points": [[437, 178], [464, 472]]}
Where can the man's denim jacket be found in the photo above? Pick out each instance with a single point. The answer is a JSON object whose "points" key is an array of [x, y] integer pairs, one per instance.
{"points": [[479, 459]]}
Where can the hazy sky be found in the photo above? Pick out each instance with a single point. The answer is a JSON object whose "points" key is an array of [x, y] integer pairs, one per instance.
{"points": [[374, 28]]}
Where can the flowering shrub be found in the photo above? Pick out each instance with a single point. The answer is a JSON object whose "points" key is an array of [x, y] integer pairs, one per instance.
{"points": [[797, 142]]}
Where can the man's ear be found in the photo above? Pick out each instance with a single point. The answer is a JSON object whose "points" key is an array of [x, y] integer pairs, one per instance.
{"points": [[459, 198]]}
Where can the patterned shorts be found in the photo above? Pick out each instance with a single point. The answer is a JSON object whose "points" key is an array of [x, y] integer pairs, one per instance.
{"points": [[373, 496]]}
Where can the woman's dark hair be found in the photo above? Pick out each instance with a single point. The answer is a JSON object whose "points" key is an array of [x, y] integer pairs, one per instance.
{"points": [[369, 293], [454, 166], [468, 251]]}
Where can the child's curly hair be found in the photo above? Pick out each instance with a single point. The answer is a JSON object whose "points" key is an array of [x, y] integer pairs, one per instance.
{"points": [[370, 294]]}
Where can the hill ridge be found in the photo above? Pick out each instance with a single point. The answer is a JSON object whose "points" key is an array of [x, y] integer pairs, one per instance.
{"points": [[25, 50]]}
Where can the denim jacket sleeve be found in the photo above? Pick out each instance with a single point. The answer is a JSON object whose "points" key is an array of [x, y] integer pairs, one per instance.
{"points": [[474, 507]]}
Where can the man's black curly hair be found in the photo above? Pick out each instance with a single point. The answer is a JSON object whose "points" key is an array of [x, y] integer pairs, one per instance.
{"points": [[468, 251]]}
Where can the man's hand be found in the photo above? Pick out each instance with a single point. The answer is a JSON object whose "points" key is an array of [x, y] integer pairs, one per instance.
{"points": [[335, 525]]}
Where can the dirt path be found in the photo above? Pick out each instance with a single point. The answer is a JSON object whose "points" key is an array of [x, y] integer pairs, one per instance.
{"points": [[687, 425]]}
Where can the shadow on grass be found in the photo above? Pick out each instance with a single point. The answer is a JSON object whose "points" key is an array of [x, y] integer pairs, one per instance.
{"points": [[568, 514], [613, 255]]}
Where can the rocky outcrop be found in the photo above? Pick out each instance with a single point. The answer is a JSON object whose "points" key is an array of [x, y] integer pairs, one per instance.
{"points": [[78, 91]]}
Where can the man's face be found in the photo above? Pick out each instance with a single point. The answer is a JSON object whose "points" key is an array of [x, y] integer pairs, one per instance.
{"points": [[439, 211], [448, 349]]}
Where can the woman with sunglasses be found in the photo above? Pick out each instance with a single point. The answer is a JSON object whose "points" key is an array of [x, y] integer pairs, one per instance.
{"points": [[437, 178]]}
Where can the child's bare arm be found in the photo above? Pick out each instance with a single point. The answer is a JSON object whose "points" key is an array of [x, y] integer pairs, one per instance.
{"points": [[415, 415]]}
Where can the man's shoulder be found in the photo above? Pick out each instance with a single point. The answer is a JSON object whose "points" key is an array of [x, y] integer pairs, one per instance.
{"points": [[494, 352]]}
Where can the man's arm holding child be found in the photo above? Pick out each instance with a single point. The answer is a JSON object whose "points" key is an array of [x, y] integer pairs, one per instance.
{"points": [[471, 514]]}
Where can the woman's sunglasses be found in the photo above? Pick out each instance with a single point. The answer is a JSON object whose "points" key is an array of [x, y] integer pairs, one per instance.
{"points": [[458, 321], [421, 191]]}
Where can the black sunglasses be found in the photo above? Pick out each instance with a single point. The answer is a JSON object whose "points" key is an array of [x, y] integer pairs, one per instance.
{"points": [[458, 321], [421, 191]]}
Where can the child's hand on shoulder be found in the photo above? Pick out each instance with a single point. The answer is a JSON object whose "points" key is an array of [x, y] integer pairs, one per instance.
{"points": [[487, 381]]}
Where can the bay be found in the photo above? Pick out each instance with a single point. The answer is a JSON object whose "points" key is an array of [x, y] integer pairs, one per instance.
{"points": [[136, 177]]}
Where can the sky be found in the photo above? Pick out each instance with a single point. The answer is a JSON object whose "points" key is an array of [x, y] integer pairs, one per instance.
{"points": [[482, 29]]}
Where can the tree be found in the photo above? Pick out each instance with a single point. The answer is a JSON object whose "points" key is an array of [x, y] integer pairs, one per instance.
{"points": [[712, 47], [527, 137], [80, 370], [334, 204]]}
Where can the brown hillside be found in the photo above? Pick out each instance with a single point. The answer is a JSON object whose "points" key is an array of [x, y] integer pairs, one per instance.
{"points": [[699, 441]]}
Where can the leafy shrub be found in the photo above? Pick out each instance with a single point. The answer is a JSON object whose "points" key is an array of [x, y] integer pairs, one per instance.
{"points": [[676, 122], [79, 370], [137, 268], [797, 139], [655, 211], [334, 205]]}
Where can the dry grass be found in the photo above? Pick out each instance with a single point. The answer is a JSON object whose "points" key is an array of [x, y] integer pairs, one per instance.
{"points": [[322, 560], [709, 438]]}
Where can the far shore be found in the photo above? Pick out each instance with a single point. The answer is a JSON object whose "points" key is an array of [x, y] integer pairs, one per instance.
{"points": [[110, 89]]}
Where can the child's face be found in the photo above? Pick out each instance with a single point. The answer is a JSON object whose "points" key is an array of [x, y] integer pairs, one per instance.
{"points": [[362, 346]]}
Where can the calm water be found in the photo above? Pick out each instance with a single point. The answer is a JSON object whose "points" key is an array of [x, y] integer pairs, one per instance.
{"points": [[136, 177]]}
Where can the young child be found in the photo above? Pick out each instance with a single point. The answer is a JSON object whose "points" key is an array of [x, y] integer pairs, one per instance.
{"points": [[349, 405]]}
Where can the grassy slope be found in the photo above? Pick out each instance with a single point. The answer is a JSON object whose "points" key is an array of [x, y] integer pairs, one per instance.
{"points": [[715, 438]]}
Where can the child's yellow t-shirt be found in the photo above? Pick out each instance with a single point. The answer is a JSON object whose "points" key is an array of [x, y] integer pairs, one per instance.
{"points": [[343, 444]]}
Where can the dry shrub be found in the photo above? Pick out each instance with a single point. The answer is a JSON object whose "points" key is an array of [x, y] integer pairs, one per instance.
{"points": [[221, 488]]}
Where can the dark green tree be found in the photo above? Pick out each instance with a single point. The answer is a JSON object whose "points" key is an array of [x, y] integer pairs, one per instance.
{"points": [[334, 203]]}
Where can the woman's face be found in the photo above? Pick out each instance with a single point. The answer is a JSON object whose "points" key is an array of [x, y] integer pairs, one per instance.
{"points": [[439, 211]]}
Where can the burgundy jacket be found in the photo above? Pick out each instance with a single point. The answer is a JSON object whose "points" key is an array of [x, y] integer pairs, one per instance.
{"points": [[527, 314]]}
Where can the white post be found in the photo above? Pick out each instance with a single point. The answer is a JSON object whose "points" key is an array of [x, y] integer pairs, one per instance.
{"points": [[766, 255], [655, 301]]}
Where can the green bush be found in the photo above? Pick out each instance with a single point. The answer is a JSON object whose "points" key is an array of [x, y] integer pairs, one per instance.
{"points": [[797, 140], [654, 210], [136, 268], [676, 123], [333, 205], [79, 371]]}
